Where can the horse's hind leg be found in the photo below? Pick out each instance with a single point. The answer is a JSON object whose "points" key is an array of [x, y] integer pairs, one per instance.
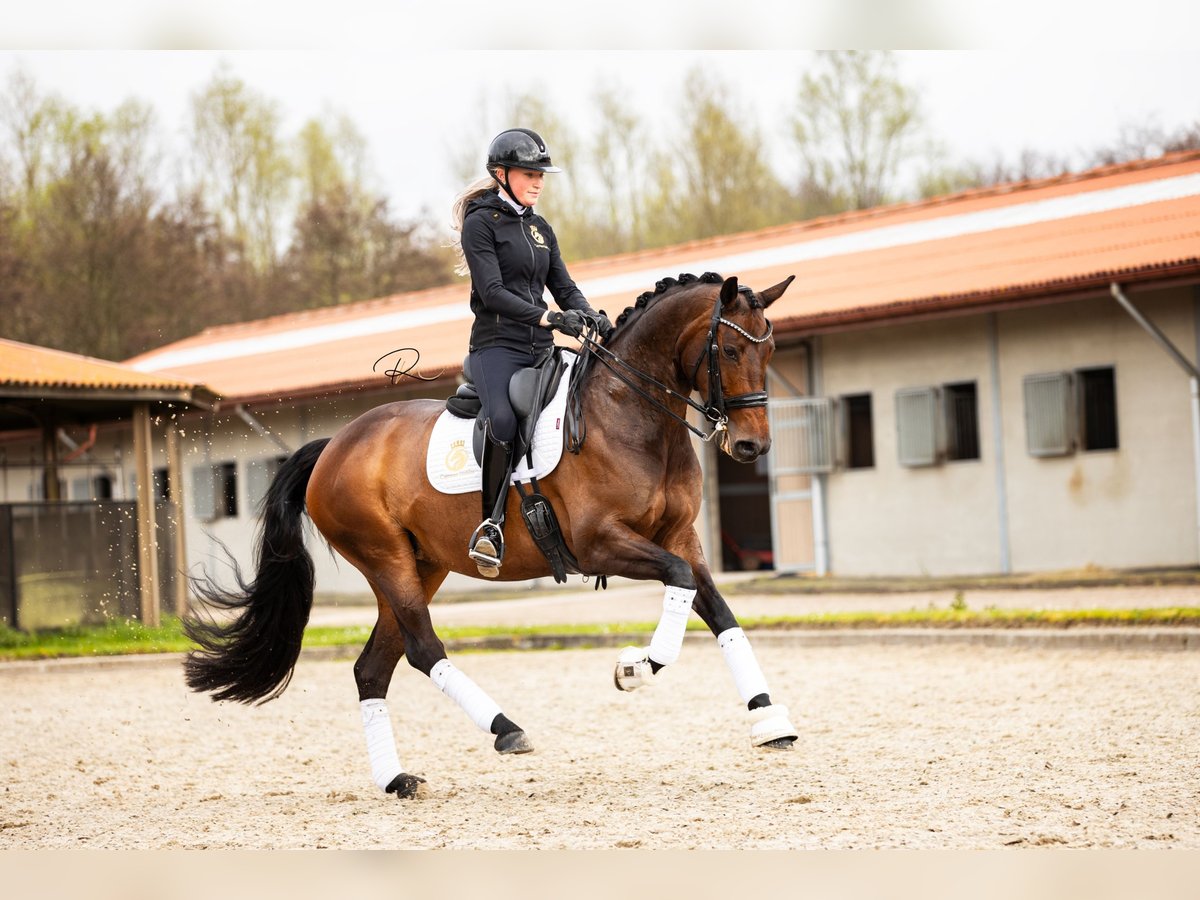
{"points": [[373, 673], [427, 654], [404, 628]]}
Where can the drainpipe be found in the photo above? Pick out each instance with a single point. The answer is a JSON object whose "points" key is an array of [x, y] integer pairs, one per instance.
{"points": [[1194, 377], [259, 428]]}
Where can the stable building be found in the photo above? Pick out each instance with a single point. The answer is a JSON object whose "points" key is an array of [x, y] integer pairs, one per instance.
{"points": [[82, 538], [1001, 380]]}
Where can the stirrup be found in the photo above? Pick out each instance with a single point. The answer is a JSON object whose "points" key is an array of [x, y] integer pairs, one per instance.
{"points": [[486, 553]]}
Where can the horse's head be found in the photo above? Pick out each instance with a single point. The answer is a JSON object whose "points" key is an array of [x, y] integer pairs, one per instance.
{"points": [[725, 354]]}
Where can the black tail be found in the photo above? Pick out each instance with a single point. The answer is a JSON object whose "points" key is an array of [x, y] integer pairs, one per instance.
{"points": [[250, 657]]}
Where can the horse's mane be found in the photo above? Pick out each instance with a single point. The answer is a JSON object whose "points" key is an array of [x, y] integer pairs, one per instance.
{"points": [[669, 286]]}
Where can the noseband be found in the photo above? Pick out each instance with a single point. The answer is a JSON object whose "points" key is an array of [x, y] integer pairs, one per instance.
{"points": [[715, 409]]}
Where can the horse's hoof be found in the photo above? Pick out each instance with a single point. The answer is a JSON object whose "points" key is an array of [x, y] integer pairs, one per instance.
{"points": [[405, 786], [783, 743], [513, 742], [771, 728], [633, 669]]}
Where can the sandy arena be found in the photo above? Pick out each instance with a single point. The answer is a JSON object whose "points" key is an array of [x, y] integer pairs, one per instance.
{"points": [[902, 746]]}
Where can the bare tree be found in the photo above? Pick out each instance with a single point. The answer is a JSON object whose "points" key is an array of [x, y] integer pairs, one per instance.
{"points": [[720, 180], [855, 124], [243, 167]]}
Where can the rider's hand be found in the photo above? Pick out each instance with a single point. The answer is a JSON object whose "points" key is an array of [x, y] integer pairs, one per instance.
{"points": [[570, 322], [603, 325]]}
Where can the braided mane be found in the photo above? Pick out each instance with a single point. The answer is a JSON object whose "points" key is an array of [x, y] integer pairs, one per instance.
{"points": [[667, 286], [661, 288]]}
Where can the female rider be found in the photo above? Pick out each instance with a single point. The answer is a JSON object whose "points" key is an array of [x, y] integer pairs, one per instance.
{"points": [[512, 256]]}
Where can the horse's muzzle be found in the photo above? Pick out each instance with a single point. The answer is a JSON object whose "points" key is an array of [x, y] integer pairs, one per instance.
{"points": [[745, 451]]}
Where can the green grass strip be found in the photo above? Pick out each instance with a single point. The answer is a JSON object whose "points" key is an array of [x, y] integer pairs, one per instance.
{"points": [[129, 637]]}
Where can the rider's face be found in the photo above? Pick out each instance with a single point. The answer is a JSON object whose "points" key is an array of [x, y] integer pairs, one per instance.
{"points": [[525, 184]]}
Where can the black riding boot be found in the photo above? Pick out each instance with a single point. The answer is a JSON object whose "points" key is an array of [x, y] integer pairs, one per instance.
{"points": [[487, 542]]}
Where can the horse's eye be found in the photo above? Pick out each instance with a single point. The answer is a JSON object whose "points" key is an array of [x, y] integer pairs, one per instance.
{"points": [[730, 352]]}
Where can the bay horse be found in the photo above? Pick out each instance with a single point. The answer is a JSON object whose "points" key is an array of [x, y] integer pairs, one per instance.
{"points": [[627, 503]]}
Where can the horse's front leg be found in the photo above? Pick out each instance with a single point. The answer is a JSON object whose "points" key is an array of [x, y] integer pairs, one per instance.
{"points": [[636, 666], [622, 551], [770, 726]]}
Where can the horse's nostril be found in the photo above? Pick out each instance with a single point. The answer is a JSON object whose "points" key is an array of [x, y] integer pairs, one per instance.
{"points": [[746, 450]]}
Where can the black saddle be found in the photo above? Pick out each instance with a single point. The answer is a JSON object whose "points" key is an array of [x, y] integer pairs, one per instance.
{"points": [[529, 390]]}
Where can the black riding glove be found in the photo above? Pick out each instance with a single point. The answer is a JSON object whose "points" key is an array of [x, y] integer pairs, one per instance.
{"points": [[603, 325], [571, 322]]}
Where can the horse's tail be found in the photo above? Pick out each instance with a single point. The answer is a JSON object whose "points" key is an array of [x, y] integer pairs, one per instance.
{"points": [[250, 656]]}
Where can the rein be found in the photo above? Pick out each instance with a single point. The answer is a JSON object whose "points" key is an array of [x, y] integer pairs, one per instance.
{"points": [[715, 410]]}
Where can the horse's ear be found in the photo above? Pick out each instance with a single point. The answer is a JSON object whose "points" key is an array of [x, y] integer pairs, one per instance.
{"points": [[771, 294], [729, 291]]}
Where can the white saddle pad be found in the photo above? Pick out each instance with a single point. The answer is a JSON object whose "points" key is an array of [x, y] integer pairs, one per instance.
{"points": [[450, 462]]}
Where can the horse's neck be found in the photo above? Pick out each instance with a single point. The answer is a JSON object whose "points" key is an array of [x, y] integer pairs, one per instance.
{"points": [[620, 405]]}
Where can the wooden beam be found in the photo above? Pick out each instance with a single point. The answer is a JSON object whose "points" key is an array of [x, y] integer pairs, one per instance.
{"points": [[151, 600], [175, 480], [50, 486]]}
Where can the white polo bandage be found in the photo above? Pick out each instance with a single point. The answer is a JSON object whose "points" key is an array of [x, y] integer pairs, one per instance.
{"points": [[481, 708], [747, 676], [668, 634], [381, 743]]}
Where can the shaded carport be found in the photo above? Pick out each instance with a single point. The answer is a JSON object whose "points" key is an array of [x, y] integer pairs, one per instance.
{"points": [[44, 391]]}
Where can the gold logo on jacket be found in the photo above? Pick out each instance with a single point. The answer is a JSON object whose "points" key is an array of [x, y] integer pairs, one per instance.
{"points": [[537, 235]]}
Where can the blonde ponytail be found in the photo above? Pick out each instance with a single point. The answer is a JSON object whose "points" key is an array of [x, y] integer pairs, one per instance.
{"points": [[459, 212]]}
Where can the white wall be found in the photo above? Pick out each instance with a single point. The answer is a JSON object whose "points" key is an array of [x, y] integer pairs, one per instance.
{"points": [[893, 519], [1134, 506], [1130, 507]]}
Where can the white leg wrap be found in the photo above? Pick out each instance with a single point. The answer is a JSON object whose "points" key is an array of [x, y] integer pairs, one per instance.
{"points": [[381, 743], [668, 635], [747, 676], [481, 708]]}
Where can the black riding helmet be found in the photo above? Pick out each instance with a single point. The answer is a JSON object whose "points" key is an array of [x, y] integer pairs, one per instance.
{"points": [[519, 148]]}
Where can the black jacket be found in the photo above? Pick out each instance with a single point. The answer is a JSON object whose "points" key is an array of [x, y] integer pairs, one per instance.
{"points": [[512, 259]]}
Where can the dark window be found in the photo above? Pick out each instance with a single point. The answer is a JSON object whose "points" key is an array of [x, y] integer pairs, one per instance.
{"points": [[860, 433], [227, 482], [102, 487], [962, 421], [1098, 406], [162, 484]]}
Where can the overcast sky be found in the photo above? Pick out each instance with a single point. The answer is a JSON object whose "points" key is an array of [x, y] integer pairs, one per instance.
{"points": [[413, 101]]}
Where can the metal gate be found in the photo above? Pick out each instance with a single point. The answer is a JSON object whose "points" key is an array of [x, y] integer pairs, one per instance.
{"points": [[75, 563], [802, 453]]}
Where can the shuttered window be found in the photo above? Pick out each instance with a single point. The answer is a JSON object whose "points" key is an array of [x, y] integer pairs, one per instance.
{"points": [[917, 433], [259, 475], [214, 491], [1070, 411], [1050, 414]]}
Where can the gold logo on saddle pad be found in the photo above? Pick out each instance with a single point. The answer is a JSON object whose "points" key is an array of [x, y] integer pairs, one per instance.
{"points": [[536, 234], [456, 458]]}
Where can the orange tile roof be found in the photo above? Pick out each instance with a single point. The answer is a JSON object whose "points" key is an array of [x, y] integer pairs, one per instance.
{"points": [[999, 244], [29, 366]]}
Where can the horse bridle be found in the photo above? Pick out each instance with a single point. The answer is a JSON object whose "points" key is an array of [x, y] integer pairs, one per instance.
{"points": [[718, 405]]}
